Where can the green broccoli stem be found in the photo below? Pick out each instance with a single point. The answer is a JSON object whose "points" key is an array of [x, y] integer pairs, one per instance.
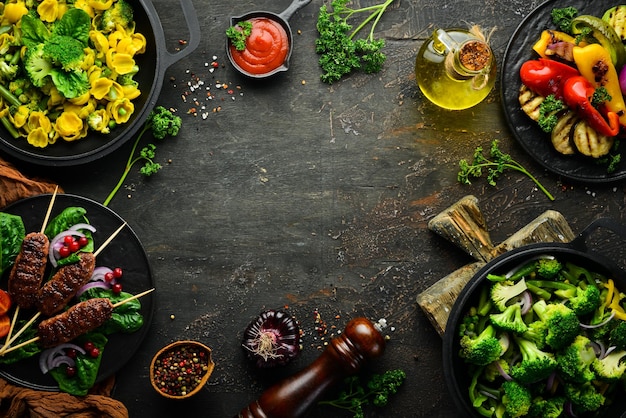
{"points": [[6, 94], [9, 127], [129, 164], [378, 11], [521, 169]]}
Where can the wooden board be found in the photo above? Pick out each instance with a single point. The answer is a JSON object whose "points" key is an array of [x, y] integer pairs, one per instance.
{"points": [[464, 225]]}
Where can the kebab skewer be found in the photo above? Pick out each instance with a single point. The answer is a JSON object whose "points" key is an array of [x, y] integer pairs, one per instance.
{"points": [[56, 293], [28, 270], [77, 320]]}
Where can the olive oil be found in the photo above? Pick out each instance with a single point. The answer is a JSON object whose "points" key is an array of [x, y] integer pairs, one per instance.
{"points": [[455, 69]]}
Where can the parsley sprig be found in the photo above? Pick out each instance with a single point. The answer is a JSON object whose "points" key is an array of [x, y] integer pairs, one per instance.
{"points": [[340, 53], [377, 390], [162, 122], [239, 33], [496, 166]]}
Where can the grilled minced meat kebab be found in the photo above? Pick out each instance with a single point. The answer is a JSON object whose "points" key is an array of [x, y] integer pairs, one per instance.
{"points": [[27, 272]]}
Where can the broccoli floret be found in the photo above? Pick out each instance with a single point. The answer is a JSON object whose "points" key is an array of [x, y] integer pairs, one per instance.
{"points": [[584, 397], [37, 66], [121, 13], [481, 349], [503, 292], [516, 399], [496, 369], [536, 332], [561, 322], [617, 335], [586, 300], [562, 18], [546, 408], [64, 52], [163, 122], [510, 319], [575, 360], [548, 268], [610, 368], [535, 365], [549, 110]]}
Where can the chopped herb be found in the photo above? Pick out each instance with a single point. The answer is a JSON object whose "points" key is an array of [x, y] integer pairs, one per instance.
{"points": [[239, 33], [500, 161], [600, 95]]}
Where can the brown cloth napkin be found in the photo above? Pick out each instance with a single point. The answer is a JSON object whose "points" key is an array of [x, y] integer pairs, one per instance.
{"points": [[18, 402], [15, 186]]}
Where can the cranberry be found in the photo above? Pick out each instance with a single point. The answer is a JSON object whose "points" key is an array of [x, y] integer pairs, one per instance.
{"points": [[74, 246], [116, 288], [71, 352], [70, 371], [117, 272], [83, 241], [68, 239], [108, 277], [94, 352], [64, 252], [88, 346]]}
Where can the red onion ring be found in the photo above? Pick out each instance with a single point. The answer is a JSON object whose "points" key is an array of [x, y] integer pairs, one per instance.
{"points": [[526, 302], [53, 254], [46, 358], [80, 226], [606, 321], [91, 285]]}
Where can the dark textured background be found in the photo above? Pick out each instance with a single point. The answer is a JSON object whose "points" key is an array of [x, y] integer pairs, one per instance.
{"points": [[315, 197]]}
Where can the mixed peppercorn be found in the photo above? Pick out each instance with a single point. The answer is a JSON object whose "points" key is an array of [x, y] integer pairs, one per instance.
{"points": [[179, 371]]}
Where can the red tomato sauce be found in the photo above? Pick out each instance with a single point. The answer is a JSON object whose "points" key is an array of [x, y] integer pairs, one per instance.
{"points": [[266, 47]]}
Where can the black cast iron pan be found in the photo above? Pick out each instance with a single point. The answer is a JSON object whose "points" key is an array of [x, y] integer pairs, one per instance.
{"points": [[454, 368], [152, 64]]}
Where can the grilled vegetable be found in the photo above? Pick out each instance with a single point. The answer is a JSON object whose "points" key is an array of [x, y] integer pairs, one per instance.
{"points": [[530, 102], [562, 133], [616, 18], [590, 143]]}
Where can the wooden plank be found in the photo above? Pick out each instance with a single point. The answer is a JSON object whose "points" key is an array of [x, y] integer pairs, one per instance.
{"points": [[457, 224]]}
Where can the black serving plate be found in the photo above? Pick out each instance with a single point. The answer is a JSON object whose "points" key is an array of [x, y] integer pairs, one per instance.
{"points": [[527, 132], [123, 251]]}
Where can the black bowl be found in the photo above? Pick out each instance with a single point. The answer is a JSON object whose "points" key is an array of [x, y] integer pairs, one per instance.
{"points": [[455, 369]]}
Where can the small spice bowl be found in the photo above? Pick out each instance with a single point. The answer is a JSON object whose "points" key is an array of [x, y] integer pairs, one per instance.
{"points": [[179, 370]]}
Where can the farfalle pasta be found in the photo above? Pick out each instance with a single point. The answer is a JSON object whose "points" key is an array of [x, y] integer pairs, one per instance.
{"points": [[70, 72]]}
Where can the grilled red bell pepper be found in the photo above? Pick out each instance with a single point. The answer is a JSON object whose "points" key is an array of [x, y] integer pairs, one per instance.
{"points": [[545, 76], [577, 94]]}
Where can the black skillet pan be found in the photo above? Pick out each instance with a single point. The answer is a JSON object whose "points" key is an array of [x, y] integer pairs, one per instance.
{"points": [[455, 370], [282, 18], [152, 64]]}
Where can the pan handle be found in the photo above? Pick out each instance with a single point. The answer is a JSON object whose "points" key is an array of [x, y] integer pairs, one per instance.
{"points": [[293, 8], [193, 26], [580, 242]]}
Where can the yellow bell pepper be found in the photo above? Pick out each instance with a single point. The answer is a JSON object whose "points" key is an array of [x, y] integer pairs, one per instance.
{"points": [[595, 64], [549, 37]]}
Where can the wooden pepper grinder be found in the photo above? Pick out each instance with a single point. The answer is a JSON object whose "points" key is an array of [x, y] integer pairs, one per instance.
{"points": [[344, 356]]}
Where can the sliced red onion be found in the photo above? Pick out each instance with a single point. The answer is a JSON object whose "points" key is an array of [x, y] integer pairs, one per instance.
{"points": [[622, 80], [59, 360], [504, 374], [609, 350], [47, 357], [99, 273], [86, 226], [526, 302], [569, 409], [91, 285], [550, 382], [598, 348], [606, 321], [487, 394]]}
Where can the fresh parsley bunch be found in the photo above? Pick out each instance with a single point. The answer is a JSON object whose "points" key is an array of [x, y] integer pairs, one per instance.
{"points": [[496, 166], [340, 53]]}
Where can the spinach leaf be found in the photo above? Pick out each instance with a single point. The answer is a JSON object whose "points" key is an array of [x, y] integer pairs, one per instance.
{"points": [[69, 217], [33, 30], [86, 368], [75, 23], [12, 232]]}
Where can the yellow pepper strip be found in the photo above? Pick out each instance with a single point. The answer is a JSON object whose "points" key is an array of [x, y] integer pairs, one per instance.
{"points": [[13, 12], [549, 37], [48, 10], [609, 295], [594, 63]]}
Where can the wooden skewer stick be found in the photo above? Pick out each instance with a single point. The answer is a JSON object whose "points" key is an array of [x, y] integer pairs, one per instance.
{"points": [[9, 337], [45, 220], [29, 323], [35, 339], [105, 243]]}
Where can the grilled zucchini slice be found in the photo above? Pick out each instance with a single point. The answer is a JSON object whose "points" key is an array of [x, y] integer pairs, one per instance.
{"points": [[530, 102], [562, 133], [590, 143]]}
